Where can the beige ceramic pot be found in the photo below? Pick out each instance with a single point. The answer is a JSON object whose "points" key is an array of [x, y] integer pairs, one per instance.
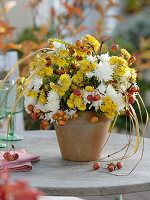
{"points": [[81, 140]]}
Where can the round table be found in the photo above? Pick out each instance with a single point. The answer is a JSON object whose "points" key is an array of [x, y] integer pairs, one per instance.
{"points": [[55, 176]]}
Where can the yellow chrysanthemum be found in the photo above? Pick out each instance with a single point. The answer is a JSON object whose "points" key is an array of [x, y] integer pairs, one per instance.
{"points": [[115, 60], [133, 74], [63, 53], [108, 107], [42, 99], [70, 103], [60, 62], [121, 71], [32, 93], [91, 42], [89, 88], [82, 108], [126, 54]]}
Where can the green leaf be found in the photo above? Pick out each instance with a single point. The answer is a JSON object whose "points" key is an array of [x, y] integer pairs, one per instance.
{"points": [[59, 41]]}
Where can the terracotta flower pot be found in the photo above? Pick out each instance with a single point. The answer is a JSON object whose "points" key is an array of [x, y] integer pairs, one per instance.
{"points": [[81, 140]]}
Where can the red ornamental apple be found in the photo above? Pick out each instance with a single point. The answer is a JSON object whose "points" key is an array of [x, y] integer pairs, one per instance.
{"points": [[34, 116], [120, 165], [111, 168], [77, 92], [97, 97], [30, 107], [96, 166], [132, 59], [79, 58], [114, 47], [131, 99], [90, 97], [134, 88]]}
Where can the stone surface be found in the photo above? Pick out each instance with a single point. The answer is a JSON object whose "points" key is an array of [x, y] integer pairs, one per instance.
{"points": [[55, 176]]}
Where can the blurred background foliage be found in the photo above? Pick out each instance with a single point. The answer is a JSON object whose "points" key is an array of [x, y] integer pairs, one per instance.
{"points": [[131, 30]]}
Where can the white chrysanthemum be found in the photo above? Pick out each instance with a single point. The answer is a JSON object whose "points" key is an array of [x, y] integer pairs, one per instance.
{"points": [[90, 74], [29, 101], [34, 84], [70, 112], [96, 104], [116, 97], [103, 71], [53, 103], [91, 58], [104, 57], [49, 116], [101, 88], [41, 106]]}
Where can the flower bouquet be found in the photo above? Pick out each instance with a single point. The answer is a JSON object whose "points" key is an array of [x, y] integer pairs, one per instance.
{"points": [[80, 89]]}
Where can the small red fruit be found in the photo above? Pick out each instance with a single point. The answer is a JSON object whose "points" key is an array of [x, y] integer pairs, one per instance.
{"points": [[134, 88], [30, 107], [79, 58], [55, 117], [44, 122], [71, 51], [60, 113], [90, 97], [74, 66], [131, 99], [96, 166], [94, 119], [97, 97], [120, 165], [79, 43], [77, 92], [111, 168], [114, 47], [34, 116], [61, 122], [132, 59], [75, 116]]}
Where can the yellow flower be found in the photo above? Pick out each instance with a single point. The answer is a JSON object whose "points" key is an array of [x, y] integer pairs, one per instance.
{"points": [[89, 88], [42, 99], [63, 53], [70, 103], [108, 107], [126, 54], [91, 42], [83, 107], [48, 71], [60, 62], [32, 93], [133, 74], [115, 60], [121, 71]]}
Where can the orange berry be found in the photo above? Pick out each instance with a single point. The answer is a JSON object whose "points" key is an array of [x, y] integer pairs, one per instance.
{"points": [[79, 43], [65, 117], [61, 122], [60, 113], [30, 107], [132, 59], [96, 166], [55, 117], [114, 47], [75, 116], [51, 45], [94, 119], [37, 111], [111, 168], [120, 165]]}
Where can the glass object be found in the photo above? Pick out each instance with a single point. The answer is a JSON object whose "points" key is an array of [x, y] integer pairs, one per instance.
{"points": [[11, 100], [3, 102]]}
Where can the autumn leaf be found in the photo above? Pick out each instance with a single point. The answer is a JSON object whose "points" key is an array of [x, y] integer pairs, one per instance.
{"points": [[117, 17], [81, 28], [111, 4], [78, 11], [42, 33], [52, 12], [89, 1], [100, 9]]}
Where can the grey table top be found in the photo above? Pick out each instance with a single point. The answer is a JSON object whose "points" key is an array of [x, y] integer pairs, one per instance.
{"points": [[55, 176]]}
